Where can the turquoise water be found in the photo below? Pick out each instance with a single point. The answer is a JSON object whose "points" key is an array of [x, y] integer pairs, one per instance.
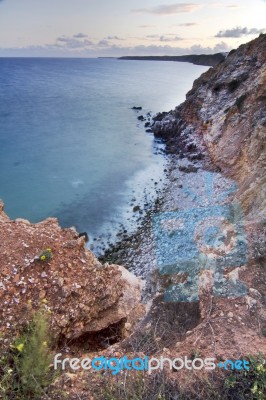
{"points": [[70, 144]]}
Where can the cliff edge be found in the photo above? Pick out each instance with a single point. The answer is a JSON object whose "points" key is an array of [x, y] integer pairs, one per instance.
{"points": [[43, 265]]}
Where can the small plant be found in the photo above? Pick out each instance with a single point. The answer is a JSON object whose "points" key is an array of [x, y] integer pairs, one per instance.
{"points": [[263, 331], [195, 353], [157, 386], [248, 384], [233, 85], [25, 370], [46, 255], [137, 386], [227, 110], [240, 100], [259, 386]]}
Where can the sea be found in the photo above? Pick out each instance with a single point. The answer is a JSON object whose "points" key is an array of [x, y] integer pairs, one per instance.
{"points": [[72, 147]]}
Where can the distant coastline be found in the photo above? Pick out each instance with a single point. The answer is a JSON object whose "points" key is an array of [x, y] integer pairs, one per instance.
{"points": [[198, 59]]}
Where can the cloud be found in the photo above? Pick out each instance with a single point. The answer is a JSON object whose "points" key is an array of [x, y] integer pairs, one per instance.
{"points": [[233, 6], [170, 39], [188, 24], [80, 36], [218, 48], [220, 5], [165, 38], [171, 50], [113, 38], [146, 26], [65, 46], [163, 49], [238, 32], [103, 43], [168, 9], [72, 42]]}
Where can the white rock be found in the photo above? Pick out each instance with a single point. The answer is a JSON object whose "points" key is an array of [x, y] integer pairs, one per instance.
{"points": [[254, 293], [22, 221], [250, 302]]}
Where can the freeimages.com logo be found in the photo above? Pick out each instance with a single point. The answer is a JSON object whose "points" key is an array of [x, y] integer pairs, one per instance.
{"points": [[206, 237]]}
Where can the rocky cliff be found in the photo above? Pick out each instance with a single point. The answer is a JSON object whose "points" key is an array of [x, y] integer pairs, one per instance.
{"points": [[225, 114], [222, 124], [81, 295]]}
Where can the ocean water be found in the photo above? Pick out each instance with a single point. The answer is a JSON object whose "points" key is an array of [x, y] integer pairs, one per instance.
{"points": [[72, 147]]}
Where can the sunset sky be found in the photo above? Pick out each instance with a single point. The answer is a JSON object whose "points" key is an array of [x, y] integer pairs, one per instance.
{"points": [[92, 28]]}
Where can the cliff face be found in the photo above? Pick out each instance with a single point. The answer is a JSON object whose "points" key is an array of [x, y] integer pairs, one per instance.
{"points": [[81, 295], [223, 123], [225, 114]]}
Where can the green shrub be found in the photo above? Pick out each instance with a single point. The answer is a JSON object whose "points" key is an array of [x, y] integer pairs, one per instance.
{"points": [[137, 386], [247, 384], [240, 100], [157, 386], [226, 110], [232, 52], [46, 255], [25, 370], [233, 85]]}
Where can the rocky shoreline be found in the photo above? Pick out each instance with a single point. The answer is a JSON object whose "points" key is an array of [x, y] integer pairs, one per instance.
{"points": [[214, 142], [137, 252]]}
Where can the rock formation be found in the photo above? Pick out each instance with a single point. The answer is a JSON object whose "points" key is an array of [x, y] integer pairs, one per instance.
{"points": [[223, 122], [80, 293], [224, 113]]}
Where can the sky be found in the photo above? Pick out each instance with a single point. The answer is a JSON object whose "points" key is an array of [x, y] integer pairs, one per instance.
{"points": [[93, 28]]}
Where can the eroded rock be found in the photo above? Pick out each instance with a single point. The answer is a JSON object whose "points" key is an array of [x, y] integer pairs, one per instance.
{"points": [[79, 293]]}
